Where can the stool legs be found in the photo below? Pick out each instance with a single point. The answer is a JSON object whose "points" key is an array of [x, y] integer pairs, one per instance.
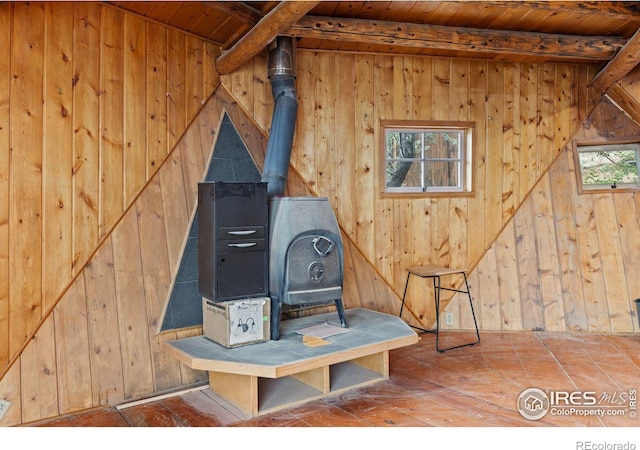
{"points": [[437, 288]]}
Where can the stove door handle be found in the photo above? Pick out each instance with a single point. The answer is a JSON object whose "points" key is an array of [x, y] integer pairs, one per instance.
{"points": [[244, 245], [322, 252]]}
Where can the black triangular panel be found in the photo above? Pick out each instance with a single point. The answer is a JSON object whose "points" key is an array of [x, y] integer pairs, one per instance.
{"points": [[230, 161]]}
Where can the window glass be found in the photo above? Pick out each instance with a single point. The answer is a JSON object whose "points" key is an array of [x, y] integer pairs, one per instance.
{"points": [[427, 158], [609, 166]]}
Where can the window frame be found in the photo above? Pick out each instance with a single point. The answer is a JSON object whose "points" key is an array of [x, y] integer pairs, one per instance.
{"points": [[465, 170], [603, 143]]}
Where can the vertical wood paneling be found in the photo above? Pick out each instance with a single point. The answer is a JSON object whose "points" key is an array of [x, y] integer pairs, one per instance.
{"points": [[262, 98], [324, 120], [73, 144], [132, 315], [176, 90], [194, 79], [616, 303], [506, 260], [107, 383], [5, 71], [344, 143], [628, 215], [494, 150], [111, 119], [134, 148], [156, 97], [303, 154], [38, 369], [477, 97], [511, 138], [73, 350], [528, 170], [365, 154], [57, 152], [86, 127], [568, 252], [383, 224], [25, 166], [531, 302], [551, 292], [488, 291], [156, 274], [545, 125]]}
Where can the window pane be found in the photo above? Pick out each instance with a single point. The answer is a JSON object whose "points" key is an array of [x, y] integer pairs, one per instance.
{"points": [[403, 174], [442, 144], [403, 145], [442, 173], [609, 167]]}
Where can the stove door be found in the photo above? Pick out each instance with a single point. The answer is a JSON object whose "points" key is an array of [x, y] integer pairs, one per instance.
{"points": [[313, 269]]}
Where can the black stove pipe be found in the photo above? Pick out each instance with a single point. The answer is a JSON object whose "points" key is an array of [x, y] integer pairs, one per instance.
{"points": [[281, 61]]}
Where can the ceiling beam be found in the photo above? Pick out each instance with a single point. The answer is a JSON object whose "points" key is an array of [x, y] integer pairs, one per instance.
{"points": [[271, 25], [594, 48], [626, 59]]}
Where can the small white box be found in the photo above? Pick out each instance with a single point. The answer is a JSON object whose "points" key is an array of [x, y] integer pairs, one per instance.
{"points": [[237, 322]]}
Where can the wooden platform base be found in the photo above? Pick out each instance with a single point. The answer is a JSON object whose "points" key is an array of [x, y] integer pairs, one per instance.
{"points": [[269, 376]]}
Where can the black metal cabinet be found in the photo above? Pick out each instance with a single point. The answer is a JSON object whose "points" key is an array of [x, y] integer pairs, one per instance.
{"points": [[232, 240]]}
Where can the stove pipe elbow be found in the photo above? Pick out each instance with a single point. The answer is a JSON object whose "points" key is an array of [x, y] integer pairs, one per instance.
{"points": [[281, 63]]}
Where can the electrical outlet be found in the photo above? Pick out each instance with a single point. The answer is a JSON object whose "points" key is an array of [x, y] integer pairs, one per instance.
{"points": [[4, 406], [448, 319]]}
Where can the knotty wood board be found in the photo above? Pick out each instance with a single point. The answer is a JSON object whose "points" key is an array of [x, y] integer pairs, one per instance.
{"points": [[176, 108], [25, 201], [132, 315], [86, 126], [73, 350], [135, 117], [57, 153], [111, 114], [156, 273], [5, 66], [156, 96]]}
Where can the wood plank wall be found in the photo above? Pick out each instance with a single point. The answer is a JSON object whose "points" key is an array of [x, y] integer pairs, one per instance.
{"points": [[92, 100], [99, 345], [524, 114], [567, 261]]}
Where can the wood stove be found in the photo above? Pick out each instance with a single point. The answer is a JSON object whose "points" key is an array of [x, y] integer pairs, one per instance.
{"points": [[305, 257]]}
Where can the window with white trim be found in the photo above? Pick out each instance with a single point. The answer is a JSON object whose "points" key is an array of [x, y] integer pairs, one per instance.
{"points": [[426, 157], [611, 165]]}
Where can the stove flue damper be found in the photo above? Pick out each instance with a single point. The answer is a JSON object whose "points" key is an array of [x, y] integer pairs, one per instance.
{"points": [[306, 257]]}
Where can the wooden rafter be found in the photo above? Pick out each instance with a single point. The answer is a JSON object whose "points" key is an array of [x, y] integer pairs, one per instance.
{"points": [[626, 59], [270, 26], [456, 38]]}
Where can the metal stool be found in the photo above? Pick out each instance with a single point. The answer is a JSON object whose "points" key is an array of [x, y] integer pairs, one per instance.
{"points": [[435, 272]]}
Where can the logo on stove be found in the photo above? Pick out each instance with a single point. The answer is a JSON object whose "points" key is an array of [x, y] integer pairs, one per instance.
{"points": [[316, 271]]}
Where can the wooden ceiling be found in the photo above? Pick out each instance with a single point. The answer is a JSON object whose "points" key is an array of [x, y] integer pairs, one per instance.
{"points": [[604, 33]]}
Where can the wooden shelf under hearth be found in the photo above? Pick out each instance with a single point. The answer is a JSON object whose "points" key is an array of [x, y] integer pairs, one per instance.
{"points": [[273, 375]]}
